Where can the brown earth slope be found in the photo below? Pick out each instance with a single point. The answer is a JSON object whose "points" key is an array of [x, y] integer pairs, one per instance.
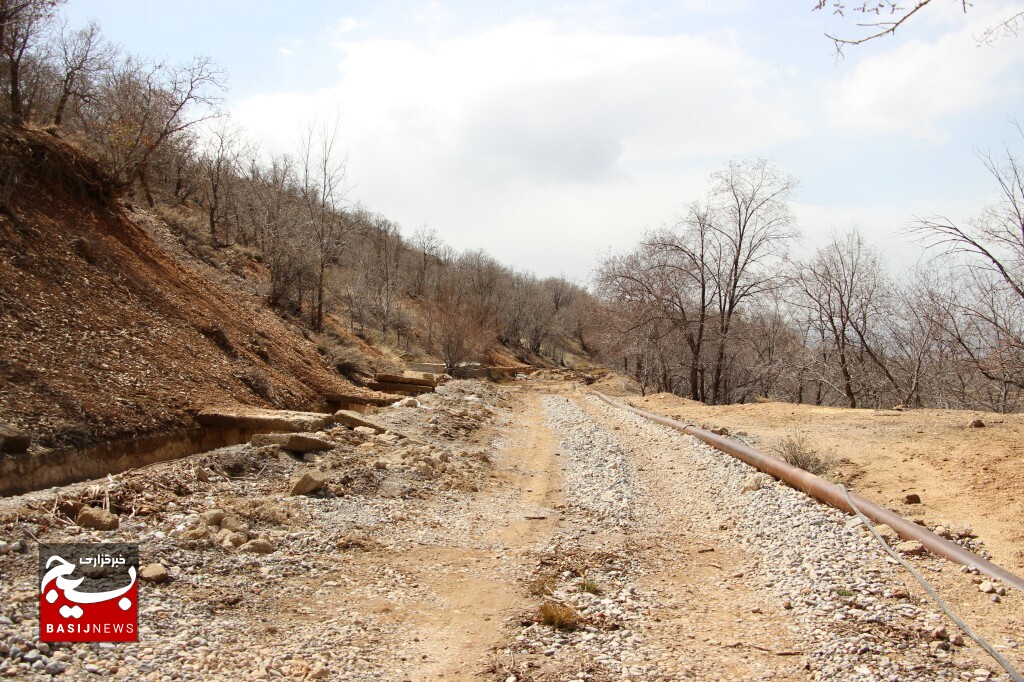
{"points": [[103, 334]]}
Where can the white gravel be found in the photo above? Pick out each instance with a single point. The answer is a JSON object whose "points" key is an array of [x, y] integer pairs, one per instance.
{"points": [[848, 602]]}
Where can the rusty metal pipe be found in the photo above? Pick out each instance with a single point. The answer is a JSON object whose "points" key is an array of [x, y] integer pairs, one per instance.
{"points": [[824, 491]]}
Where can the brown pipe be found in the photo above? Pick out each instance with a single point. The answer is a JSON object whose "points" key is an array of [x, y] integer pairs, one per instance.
{"points": [[824, 491]]}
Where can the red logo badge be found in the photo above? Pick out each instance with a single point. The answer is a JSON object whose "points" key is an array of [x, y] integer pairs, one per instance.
{"points": [[88, 593]]}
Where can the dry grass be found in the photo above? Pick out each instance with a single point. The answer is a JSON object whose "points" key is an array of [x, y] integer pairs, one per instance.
{"points": [[543, 586], [589, 585], [559, 616], [795, 450]]}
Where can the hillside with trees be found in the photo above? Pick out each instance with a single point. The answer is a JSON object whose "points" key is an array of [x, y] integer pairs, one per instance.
{"points": [[155, 262]]}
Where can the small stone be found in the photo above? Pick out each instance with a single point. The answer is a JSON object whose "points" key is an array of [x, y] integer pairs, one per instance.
{"points": [[154, 573], [911, 547], [962, 530], [260, 545], [4, 548], [201, 533], [307, 482], [943, 532], [365, 430], [234, 524], [940, 633], [912, 498], [234, 540], [319, 673], [408, 402], [425, 470], [97, 519], [957, 640], [380, 465], [753, 482], [987, 587], [213, 517], [55, 668]]}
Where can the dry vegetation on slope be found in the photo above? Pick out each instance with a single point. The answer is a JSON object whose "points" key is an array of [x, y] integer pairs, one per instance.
{"points": [[105, 335]]}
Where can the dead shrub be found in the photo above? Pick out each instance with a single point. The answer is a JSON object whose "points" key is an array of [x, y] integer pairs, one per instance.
{"points": [[214, 333], [797, 451], [346, 360], [543, 585], [258, 381], [559, 616]]}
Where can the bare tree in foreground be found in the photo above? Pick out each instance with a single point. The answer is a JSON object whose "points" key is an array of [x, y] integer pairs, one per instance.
{"points": [[881, 18]]}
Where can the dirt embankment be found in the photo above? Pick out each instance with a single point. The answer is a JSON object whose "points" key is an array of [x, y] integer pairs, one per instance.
{"points": [[963, 474], [104, 335]]}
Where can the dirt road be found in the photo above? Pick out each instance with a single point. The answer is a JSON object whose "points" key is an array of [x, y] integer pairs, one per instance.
{"points": [[526, 532]]}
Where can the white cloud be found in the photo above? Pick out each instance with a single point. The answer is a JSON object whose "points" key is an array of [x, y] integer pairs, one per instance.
{"points": [[346, 25], [527, 135], [913, 87], [285, 52]]}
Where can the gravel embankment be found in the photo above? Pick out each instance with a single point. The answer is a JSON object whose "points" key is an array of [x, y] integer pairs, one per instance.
{"points": [[847, 602]]}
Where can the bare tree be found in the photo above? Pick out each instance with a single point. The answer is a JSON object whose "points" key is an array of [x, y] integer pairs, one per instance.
{"points": [[22, 23], [82, 55], [140, 106], [220, 164], [322, 184], [751, 226], [841, 287], [882, 17], [987, 253]]}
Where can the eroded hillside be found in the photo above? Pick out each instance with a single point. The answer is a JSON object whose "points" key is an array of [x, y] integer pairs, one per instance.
{"points": [[104, 335]]}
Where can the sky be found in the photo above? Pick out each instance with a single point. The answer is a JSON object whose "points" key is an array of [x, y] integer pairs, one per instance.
{"points": [[552, 133]]}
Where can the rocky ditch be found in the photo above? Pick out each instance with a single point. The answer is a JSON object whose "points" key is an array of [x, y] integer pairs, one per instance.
{"points": [[229, 536]]}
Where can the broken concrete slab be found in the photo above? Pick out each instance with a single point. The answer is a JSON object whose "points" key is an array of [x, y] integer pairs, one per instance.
{"points": [[293, 442], [390, 387], [353, 419], [262, 420]]}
